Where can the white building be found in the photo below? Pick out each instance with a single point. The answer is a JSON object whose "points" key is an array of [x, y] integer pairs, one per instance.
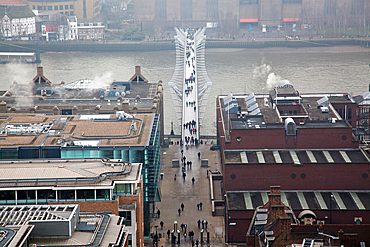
{"points": [[17, 22], [72, 28]]}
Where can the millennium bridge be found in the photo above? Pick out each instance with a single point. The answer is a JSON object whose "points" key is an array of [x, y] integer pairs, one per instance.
{"points": [[190, 83]]}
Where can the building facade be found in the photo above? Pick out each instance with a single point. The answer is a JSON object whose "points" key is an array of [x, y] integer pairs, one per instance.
{"points": [[17, 21], [83, 9], [238, 15], [90, 31]]}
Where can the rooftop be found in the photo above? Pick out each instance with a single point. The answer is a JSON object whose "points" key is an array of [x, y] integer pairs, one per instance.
{"points": [[90, 172], [36, 129]]}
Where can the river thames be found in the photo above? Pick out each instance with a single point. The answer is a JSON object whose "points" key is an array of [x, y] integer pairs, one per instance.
{"points": [[339, 69]]}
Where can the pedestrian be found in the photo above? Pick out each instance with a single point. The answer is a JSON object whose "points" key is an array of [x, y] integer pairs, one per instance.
{"points": [[168, 233], [198, 223], [182, 227], [158, 213], [197, 242], [161, 223], [185, 235], [200, 205], [179, 210], [202, 224], [206, 223], [184, 175], [193, 180], [182, 206], [192, 243], [175, 177], [185, 226], [182, 151], [198, 155]]}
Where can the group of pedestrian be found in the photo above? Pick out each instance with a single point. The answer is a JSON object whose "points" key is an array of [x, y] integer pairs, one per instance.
{"points": [[204, 224], [200, 206]]}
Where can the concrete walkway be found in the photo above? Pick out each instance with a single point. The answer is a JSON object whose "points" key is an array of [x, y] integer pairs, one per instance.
{"points": [[175, 192]]}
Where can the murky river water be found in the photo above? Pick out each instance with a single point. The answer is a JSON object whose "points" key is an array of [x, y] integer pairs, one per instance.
{"points": [[333, 69]]}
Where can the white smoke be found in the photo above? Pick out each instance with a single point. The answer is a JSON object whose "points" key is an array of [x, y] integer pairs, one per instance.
{"points": [[272, 81], [21, 89], [104, 80], [261, 71]]}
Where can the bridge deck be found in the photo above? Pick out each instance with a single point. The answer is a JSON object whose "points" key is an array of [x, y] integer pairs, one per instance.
{"points": [[190, 119]]}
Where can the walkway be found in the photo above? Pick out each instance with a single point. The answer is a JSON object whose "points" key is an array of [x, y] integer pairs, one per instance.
{"points": [[175, 192], [190, 119]]}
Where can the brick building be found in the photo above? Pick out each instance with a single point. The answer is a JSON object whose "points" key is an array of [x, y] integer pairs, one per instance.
{"points": [[275, 224], [298, 141], [95, 185]]}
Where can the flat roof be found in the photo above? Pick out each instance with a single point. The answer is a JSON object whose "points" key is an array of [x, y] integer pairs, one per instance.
{"points": [[81, 172], [109, 131], [301, 200], [271, 117]]}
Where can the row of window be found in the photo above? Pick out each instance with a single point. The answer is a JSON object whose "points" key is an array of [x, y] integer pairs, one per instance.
{"points": [[56, 7], [43, 196]]}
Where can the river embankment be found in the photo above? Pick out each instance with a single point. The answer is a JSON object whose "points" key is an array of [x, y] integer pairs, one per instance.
{"points": [[112, 46]]}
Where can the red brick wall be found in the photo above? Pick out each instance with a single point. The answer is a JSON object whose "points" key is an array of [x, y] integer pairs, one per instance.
{"points": [[307, 138], [94, 206], [318, 177]]}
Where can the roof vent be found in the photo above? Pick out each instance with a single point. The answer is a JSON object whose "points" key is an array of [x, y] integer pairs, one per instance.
{"points": [[324, 109]]}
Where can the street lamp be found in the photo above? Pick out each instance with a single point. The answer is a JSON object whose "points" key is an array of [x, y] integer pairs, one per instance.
{"points": [[331, 198], [156, 236]]}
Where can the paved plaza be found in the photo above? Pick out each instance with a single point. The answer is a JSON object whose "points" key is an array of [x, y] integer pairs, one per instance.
{"points": [[176, 192]]}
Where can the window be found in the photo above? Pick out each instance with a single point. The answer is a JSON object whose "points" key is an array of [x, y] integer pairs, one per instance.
{"points": [[340, 112], [26, 196], [50, 7], [71, 6], [66, 13], [55, 7], [295, 112], [102, 194], [33, 7], [39, 8], [126, 217], [292, 1], [61, 13], [83, 195], [7, 197], [66, 195], [65, 7], [71, 13], [349, 114], [122, 189], [44, 196], [60, 7], [290, 112]]}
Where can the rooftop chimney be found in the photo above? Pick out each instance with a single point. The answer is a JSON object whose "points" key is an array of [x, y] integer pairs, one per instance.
{"points": [[40, 70], [275, 196]]}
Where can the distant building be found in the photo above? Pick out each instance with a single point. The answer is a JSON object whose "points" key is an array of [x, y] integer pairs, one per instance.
{"points": [[239, 14], [90, 31], [72, 28], [16, 20], [83, 9]]}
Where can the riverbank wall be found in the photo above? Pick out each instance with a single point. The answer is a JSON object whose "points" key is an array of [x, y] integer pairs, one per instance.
{"points": [[19, 46]]}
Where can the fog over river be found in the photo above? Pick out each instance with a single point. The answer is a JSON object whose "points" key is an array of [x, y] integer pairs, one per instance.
{"points": [[340, 69]]}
